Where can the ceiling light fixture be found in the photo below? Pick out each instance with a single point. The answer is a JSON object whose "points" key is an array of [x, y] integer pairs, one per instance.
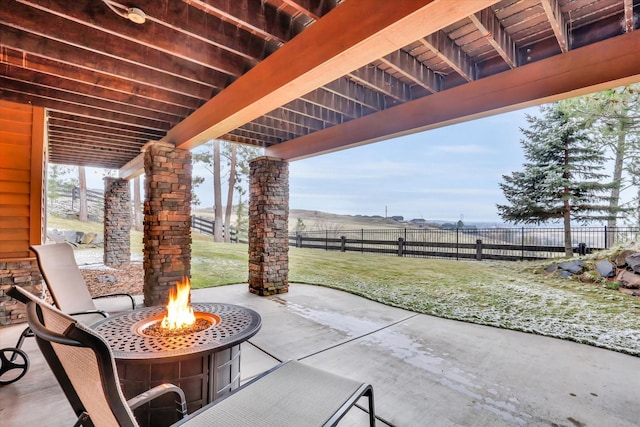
{"points": [[133, 14]]}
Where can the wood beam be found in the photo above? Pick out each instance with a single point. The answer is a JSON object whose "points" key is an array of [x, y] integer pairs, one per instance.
{"points": [[613, 62], [557, 22], [451, 54], [295, 119], [336, 102], [310, 60], [357, 93], [489, 26], [307, 109]]}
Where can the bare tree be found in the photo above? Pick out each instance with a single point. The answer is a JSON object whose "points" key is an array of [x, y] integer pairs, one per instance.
{"points": [[82, 180]]}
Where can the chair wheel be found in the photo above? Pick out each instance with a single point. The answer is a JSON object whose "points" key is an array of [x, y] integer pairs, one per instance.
{"points": [[14, 364]]}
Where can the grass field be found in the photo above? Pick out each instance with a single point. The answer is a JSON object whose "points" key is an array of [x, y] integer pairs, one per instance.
{"points": [[502, 294]]}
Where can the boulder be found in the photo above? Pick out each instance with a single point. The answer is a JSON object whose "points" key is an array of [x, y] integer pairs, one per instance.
{"points": [[88, 238], [605, 268], [573, 267], [628, 279], [633, 262], [70, 236], [564, 274], [621, 258]]}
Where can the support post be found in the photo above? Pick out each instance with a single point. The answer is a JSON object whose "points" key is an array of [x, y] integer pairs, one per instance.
{"points": [[117, 222], [268, 226]]}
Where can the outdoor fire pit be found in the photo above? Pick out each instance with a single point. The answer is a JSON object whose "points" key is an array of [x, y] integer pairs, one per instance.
{"points": [[204, 363]]}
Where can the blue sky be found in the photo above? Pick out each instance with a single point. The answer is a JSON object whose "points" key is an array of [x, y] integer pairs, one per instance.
{"points": [[442, 174]]}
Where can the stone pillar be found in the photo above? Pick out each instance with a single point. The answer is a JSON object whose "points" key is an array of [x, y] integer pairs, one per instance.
{"points": [[268, 226], [23, 272], [167, 220], [117, 222]]}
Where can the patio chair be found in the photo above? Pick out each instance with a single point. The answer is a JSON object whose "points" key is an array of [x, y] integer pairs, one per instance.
{"points": [[291, 394], [66, 284]]}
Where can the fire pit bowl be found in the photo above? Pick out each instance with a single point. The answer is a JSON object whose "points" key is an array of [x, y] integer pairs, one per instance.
{"points": [[205, 364]]}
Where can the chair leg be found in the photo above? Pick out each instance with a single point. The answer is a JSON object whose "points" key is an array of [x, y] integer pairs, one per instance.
{"points": [[372, 413], [25, 334]]}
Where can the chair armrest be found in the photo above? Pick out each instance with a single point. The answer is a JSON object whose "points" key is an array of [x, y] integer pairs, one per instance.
{"points": [[149, 395], [133, 302], [100, 312]]}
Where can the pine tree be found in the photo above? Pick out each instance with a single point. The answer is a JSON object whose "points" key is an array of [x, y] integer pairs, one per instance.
{"points": [[562, 178]]}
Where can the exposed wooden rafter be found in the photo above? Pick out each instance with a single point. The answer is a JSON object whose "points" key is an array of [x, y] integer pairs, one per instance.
{"points": [[491, 29], [557, 22]]}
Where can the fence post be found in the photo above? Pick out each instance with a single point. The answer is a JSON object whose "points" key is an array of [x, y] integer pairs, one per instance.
{"points": [[400, 246], [343, 243], [606, 238], [457, 244], [582, 248], [479, 249], [522, 243], [298, 240], [362, 240], [326, 240]]}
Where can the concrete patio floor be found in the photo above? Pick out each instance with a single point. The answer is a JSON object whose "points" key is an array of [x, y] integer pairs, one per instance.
{"points": [[425, 371]]}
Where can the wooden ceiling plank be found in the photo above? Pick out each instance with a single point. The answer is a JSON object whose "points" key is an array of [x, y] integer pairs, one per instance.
{"points": [[413, 70], [252, 15], [357, 93], [61, 95], [313, 111], [103, 123], [335, 102], [295, 119], [81, 128], [278, 124], [269, 140], [449, 52], [106, 25], [97, 79], [193, 22], [376, 79], [268, 132], [557, 22], [79, 48], [489, 26], [311, 60], [126, 100], [72, 134], [611, 63]]}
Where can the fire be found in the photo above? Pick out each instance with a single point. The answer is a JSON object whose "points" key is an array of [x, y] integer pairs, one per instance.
{"points": [[179, 311]]}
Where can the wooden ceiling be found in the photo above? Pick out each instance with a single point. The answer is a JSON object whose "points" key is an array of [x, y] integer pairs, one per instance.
{"points": [[298, 77]]}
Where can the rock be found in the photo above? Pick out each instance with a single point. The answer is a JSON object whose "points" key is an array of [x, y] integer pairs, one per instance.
{"points": [[551, 269], [564, 274], [633, 262], [628, 279], [621, 258], [70, 236], [103, 279], [79, 236], [88, 238], [605, 268], [55, 235], [573, 267]]}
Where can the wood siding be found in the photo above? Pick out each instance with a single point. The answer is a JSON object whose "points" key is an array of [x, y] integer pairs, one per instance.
{"points": [[21, 178]]}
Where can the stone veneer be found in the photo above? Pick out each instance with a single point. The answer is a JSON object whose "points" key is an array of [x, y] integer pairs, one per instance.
{"points": [[268, 226], [167, 220], [23, 272], [117, 222]]}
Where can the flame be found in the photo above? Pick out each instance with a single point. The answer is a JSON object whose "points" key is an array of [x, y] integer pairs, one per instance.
{"points": [[179, 311]]}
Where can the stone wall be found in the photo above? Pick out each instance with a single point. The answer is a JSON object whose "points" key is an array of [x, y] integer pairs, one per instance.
{"points": [[23, 272], [268, 226], [167, 220], [117, 222]]}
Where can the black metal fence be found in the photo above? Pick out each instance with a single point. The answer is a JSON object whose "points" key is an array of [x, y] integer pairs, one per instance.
{"points": [[205, 226], [509, 244]]}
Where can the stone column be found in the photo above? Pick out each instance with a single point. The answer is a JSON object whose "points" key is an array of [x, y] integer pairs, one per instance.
{"points": [[268, 227], [117, 222], [23, 272], [167, 220]]}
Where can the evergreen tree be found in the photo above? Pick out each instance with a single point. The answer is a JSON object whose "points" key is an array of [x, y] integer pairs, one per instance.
{"points": [[562, 178]]}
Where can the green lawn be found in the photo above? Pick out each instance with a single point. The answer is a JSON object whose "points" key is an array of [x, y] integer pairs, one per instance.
{"points": [[502, 294]]}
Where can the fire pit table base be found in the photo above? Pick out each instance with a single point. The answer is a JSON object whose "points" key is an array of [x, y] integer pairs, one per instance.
{"points": [[204, 379]]}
